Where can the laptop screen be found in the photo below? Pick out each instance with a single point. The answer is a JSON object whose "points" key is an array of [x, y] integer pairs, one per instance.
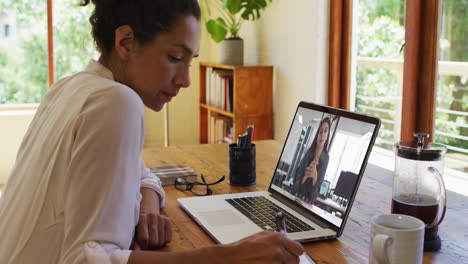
{"points": [[321, 161]]}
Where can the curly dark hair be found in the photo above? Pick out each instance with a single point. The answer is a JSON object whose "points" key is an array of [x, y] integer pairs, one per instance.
{"points": [[147, 18]]}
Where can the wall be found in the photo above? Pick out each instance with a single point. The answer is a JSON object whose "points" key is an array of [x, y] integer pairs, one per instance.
{"points": [[293, 37], [13, 127]]}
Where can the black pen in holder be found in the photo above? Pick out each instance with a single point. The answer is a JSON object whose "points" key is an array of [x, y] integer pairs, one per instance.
{"points": [[242, 165]]}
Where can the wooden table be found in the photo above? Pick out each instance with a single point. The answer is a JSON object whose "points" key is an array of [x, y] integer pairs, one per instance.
{"points": [[374, 197]]}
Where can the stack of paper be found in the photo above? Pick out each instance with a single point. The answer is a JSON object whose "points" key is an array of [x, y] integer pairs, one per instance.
{"points": [[168, 174]]}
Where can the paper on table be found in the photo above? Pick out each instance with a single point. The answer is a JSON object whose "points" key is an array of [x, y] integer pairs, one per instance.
{"points": [[168, 174], [305, 259]]}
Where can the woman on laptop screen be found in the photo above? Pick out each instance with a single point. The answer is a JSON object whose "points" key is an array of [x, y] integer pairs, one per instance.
{"points": [[312, 168], [79, 191]]}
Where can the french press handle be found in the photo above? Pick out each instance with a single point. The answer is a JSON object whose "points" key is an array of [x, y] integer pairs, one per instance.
{"points": [[443, 198]]}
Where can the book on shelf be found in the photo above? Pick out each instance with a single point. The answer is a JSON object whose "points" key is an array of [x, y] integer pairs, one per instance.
{"points": [[211, 125], [228, 95], [220, 129], [219, 88], [168, 174]]}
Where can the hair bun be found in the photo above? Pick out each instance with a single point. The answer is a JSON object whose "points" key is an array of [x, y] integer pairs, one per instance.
{"points": [[147, 18]]}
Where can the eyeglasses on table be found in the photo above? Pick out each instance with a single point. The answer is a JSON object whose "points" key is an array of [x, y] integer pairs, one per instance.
{"points": [[197, 188]]}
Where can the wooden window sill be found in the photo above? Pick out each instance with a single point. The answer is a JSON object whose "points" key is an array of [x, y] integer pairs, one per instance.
{"points": [[18, 107]]}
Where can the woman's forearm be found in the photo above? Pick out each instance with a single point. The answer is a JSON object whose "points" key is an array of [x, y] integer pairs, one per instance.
{"points": [[314, 177], [149, 200]]}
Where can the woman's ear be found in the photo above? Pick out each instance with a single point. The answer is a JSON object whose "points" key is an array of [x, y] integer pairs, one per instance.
{"points": [[124, 42]]}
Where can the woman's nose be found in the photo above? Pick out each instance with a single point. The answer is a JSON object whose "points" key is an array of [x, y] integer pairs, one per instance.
{"points": [[183, 78]]}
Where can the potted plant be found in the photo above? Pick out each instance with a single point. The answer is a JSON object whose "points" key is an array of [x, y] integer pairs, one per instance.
{"points": [[225, 28]]}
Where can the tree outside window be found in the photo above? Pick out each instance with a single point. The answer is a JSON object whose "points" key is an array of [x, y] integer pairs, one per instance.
{"points": [[379, 70], [452, 90], [380, 38], [23, 53]]}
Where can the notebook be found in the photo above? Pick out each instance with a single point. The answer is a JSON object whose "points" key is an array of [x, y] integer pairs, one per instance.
{"points": [[168, 174], [314, 184]]}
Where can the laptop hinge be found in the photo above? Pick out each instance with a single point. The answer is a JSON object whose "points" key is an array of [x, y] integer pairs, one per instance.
{"points": [[304, 212]]}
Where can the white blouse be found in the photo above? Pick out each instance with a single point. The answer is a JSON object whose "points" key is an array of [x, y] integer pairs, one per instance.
{"points": [[73, 195]]}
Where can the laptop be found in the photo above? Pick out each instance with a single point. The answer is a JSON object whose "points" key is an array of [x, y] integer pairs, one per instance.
{"points": [[315, 207]]}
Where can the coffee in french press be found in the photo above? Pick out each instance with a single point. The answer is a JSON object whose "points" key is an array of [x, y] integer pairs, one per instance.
{"points": [[418, 186]]}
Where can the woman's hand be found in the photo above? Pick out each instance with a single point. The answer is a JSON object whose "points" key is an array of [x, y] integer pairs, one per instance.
{"points": [[314, 163], [311, 172], [260, 248], [153, 230], [265, 247]]}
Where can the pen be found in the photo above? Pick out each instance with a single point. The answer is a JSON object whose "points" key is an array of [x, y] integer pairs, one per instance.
{"points": [[247, 142], [244, 140], [281, 227], [251, 135], [280, 223]]}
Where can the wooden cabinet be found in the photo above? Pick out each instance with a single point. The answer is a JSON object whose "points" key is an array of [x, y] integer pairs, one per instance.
{"points": [[252, 101]]}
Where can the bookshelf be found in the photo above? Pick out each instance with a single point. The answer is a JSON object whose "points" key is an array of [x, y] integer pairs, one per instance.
{"points": [[233, 97]]}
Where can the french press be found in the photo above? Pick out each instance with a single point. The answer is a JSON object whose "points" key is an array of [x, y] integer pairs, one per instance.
{"points": [[418, 186]]}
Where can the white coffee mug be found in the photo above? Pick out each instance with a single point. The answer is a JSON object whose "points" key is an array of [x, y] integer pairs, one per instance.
{"points": [[396, 239]]}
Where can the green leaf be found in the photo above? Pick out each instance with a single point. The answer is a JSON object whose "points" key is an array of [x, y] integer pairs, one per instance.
{"points": [[251, 8], [217, 29], [233, 6]]}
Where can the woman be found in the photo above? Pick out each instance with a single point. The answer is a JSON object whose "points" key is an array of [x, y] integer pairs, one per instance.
{"points": [[312, 168], [79, 192]]}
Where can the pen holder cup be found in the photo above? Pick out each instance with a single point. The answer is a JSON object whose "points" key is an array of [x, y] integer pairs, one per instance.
{"points": [[242, 168]]}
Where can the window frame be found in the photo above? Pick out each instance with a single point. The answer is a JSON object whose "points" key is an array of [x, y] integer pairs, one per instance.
{"points": [[339, 61], [420, 68]]}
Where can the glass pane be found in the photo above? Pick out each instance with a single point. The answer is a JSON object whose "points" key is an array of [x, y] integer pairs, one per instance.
{"points": [[452, 87], [379, 64], [23, 51], [73, 43]]}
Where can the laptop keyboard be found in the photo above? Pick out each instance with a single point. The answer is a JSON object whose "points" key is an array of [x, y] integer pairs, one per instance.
{"points": [[262, 212]]}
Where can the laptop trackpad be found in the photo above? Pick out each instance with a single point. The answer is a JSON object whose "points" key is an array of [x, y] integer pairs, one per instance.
{"points": [[221, 218]]}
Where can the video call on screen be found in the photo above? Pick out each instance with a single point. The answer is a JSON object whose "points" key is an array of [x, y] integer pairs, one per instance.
{"points": [[321, 161]]}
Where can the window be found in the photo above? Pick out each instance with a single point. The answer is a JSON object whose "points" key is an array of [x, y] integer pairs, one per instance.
{"points": [[405, 59], [73, 43], [451, 125], [23, 55], [377, 84], [24, 52]]}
